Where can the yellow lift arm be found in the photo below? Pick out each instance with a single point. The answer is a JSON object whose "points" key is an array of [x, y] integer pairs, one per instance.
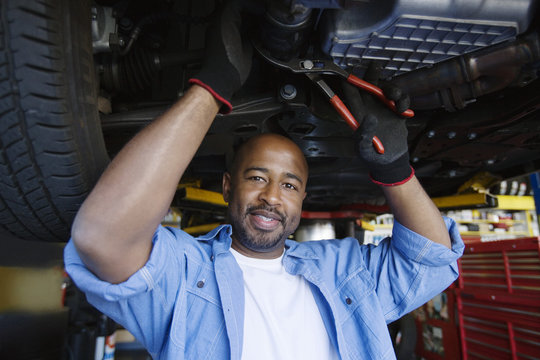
{"points": [[484, 200]]}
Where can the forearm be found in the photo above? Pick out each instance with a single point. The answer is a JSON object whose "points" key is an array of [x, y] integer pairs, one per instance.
{"points": [[413, 208], [114, 227]]}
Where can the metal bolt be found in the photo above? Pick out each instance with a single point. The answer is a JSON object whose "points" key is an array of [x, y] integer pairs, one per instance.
{"points": [[288, 92], [472, 136], [452, 173], [451, 134], [307, 64], [94, 13], [431, 133]]}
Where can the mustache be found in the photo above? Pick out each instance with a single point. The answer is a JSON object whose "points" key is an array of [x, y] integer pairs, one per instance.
{"points": [[267, 208]]}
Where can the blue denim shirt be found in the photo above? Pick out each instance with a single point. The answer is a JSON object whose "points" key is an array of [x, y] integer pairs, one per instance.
{"points": [[187, 302]]}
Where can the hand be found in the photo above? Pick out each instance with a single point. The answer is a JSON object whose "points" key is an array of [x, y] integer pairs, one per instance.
{"points": [[376, 119], [228, 57]]}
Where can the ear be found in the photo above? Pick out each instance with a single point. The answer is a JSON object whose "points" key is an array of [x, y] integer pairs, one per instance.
{"points": [[226, 186], [304, 197]]}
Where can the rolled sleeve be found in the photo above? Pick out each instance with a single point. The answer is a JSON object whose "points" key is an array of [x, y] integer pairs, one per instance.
{"points": [[410, 269], [141, 281], [424, 251], [144, 303]]}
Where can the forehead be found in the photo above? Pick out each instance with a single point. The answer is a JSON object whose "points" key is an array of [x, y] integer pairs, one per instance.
{"points": [[274, 153]]}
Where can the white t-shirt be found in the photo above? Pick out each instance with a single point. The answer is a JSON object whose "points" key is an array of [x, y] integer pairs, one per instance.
{"points": [[281, 320]]}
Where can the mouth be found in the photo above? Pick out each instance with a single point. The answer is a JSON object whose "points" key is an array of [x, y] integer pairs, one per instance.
{"points": [[265, 220]]}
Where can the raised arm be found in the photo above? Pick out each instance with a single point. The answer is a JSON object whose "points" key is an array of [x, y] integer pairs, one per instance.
{"points": [[408, 201], [113, 229], [413, 208]]}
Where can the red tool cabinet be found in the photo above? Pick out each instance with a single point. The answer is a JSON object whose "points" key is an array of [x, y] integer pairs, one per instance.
{"points": [[498, 300]]}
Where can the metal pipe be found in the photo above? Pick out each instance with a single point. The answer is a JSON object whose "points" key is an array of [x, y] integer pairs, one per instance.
{"points": [[453, 84]]}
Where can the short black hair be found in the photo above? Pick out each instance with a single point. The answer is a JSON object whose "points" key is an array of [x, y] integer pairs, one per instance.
{"points": [[239, 142]]}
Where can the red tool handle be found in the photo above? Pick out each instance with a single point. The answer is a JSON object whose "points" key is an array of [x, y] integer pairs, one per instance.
{"points": [[377, 144], [344, 112], [351, 121], [377, 91]]}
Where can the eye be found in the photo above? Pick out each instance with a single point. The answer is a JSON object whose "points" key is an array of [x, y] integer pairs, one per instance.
{"points": [[255, 178], [290, 186]]}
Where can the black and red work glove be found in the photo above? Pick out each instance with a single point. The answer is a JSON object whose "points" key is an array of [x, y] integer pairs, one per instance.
{"points": [[376, 119], [227, 60]]}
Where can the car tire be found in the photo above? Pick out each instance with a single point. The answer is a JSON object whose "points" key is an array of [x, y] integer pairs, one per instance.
{"points": [[51, 144]]}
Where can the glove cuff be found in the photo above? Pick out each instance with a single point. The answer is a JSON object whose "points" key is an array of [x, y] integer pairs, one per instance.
{"points": [[395, 173], [220, 95]]}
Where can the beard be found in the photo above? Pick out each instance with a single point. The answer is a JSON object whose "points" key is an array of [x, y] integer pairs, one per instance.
{"points": [[259, 241]]}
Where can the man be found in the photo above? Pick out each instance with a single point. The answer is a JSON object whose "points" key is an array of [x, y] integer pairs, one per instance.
{"points": [[243, 291]]}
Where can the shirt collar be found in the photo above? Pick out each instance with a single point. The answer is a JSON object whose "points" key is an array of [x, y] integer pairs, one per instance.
{"points": [[216, 233], [299, 250], [220, 239], [222, 243]]}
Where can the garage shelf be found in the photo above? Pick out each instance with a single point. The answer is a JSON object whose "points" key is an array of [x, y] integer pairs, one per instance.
{"points": [[511, 217]]}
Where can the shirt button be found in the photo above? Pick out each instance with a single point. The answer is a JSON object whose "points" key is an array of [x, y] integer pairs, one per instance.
{"points": [[348, 301], [200, 284], [212, 258]]}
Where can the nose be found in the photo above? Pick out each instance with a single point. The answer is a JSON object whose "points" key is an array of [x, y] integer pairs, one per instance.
{"points": [[271, 194]]}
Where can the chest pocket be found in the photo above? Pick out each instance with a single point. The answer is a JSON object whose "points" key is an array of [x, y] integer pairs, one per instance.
{"points": [[199, 325], [360, 313], [201, 282], [354, 291]]}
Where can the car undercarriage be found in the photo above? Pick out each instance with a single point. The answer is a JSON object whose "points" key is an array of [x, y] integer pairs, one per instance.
{"points": [[470, 68]]}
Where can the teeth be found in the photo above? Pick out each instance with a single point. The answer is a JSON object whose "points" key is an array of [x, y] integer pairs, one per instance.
{"points": [[265, 218]]}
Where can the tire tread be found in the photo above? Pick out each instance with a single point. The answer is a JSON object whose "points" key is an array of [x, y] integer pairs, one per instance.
{"points": [[42, 181]]}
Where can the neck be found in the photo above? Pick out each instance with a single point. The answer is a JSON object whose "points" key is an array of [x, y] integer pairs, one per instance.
{"points": [[273, 253]]}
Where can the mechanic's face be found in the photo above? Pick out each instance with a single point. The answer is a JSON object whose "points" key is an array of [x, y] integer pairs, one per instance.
{"points": [[265, 190]]}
